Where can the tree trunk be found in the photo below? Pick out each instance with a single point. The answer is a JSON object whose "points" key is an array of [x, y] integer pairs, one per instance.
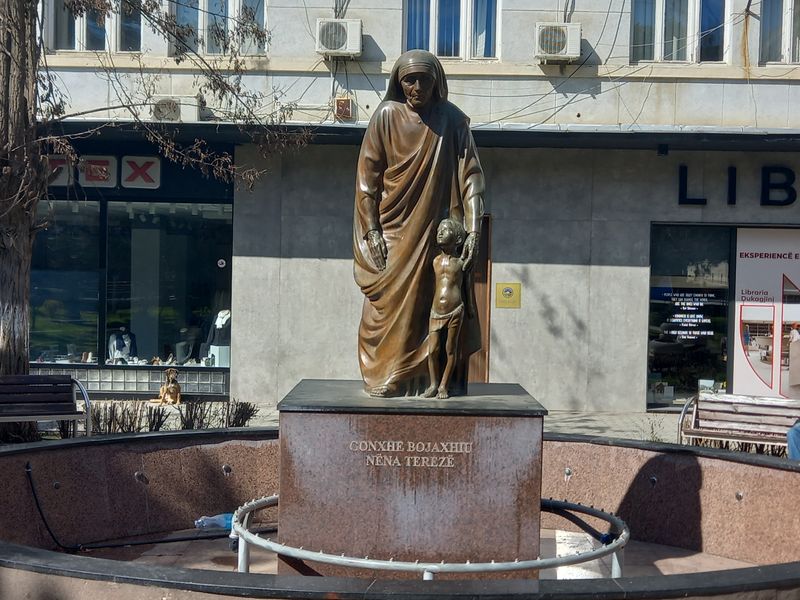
{"points": [[23, 176], [15, 271]]}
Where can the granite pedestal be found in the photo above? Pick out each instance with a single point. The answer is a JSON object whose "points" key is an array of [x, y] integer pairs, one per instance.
{"points": [[410, 479]]}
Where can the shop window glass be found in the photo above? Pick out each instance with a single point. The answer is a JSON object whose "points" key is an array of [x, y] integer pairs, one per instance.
{"points": [[65, 280], [169, 278], [689, 295]]}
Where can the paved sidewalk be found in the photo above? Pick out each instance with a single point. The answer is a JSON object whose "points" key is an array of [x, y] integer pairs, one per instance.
{"points": [[643, 426]]}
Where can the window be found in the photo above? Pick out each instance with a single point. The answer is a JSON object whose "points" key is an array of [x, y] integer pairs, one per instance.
{"points": [[452, 28], [152, 286], [678, 30], [712, 30], [68, 32], [205, 25], [95, 30], [689, 295], [253, 12], [65, 284], [643, 21], [780, 31], [130, 26], [168, 276]]}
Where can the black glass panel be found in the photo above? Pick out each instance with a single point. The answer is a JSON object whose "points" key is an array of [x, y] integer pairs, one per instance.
{"points": [[169, 276], [65, 284], [689, 297]]}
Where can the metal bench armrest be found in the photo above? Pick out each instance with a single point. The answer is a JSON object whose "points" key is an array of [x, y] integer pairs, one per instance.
{"points": [[682, 417], [86, 405]]}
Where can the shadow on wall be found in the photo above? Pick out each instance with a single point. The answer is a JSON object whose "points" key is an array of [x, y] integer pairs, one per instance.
{"points": [[560, 323], [371, 51], [662, 504]]}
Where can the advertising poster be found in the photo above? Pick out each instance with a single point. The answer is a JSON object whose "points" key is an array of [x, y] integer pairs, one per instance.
{"points": [[767, 352]]}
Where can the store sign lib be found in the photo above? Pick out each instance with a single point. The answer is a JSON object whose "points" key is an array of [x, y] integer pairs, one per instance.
{"points": [[777, 187], [103, 171]]}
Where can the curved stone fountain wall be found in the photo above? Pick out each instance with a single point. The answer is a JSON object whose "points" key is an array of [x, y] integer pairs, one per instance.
{"points": [[732, 505]]}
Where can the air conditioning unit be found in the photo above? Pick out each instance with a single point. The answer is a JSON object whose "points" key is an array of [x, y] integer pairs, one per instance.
{"points": [[558, 41], [339, 37], [185, 109]]}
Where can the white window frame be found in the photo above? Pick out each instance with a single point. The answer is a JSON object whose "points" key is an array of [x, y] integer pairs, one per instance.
{"points": [[204, 19], [113, 31], [787, 30], [693, 34], [465, 27], [80, 30]]}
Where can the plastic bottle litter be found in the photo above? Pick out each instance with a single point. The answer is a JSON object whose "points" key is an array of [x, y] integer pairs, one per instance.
{"points": [[222, 521]]}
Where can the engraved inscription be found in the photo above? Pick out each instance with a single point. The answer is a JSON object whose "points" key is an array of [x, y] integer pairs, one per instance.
{"points": [[401, 453]]}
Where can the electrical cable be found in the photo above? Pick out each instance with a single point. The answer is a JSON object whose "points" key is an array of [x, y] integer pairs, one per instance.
{"points": [[29, 473]]}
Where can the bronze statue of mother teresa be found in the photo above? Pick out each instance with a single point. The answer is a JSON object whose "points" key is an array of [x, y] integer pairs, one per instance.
{"points": [[417, 165]]}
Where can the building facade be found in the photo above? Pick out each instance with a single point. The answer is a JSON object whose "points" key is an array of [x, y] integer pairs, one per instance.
{"points": [[626, 187]]}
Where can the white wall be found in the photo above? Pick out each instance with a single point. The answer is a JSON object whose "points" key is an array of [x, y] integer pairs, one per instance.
{"points": [[571, 226], [514, 89]]}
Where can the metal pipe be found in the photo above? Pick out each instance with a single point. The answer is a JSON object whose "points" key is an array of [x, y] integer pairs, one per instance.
{"points": [[617, 525]]}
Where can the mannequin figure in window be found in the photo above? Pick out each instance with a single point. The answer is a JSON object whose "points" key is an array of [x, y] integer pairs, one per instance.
{"points": [[183, 348], [122, 346], [219, 339]]}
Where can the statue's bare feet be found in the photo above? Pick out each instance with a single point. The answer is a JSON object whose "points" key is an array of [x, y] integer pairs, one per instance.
{"points": [[383, 391], [442, 394], [430, 392]]}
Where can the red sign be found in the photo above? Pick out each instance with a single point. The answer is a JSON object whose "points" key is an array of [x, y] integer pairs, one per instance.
{"points": [[97, 171], [108, 171], [141, 172], [60, 170]]}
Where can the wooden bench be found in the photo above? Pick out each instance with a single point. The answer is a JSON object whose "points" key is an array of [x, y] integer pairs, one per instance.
{"points": [[43, 398], [731, 419]]}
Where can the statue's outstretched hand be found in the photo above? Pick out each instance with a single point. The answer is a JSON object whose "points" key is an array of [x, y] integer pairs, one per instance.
{"points": [[377, 249], [470, 251]]}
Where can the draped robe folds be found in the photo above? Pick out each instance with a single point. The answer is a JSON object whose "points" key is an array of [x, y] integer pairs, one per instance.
{"points": [[412, 172]]}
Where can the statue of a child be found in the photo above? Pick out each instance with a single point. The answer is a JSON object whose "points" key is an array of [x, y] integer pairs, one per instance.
{"points": [[447, 312]]}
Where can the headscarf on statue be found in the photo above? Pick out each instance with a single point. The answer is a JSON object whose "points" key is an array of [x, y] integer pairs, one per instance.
{"points": [[415, 61]]}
